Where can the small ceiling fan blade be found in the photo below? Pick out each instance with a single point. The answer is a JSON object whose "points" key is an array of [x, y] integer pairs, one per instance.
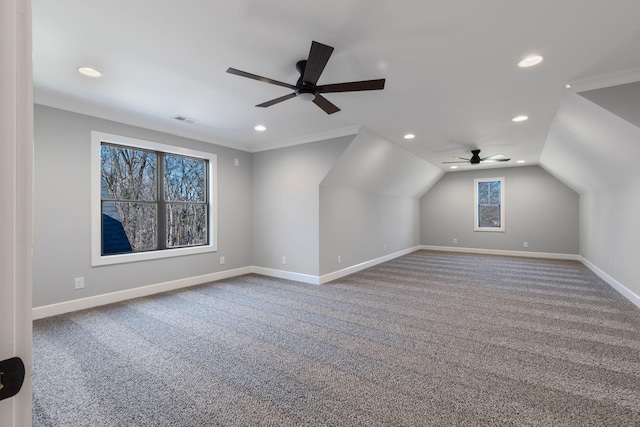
{"points": [[277, 100], [494, 160], [494, 157], [318, 57], [260, 78], [324, 103], [353, 86]]}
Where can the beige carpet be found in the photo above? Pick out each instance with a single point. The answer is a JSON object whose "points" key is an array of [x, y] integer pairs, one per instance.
{"points": [[430, 338]]}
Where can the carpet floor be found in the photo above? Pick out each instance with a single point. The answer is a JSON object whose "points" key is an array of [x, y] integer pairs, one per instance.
{"points": [[430, 338]]}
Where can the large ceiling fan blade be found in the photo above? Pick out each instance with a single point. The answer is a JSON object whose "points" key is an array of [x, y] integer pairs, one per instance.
{"points": [[324, 103], [353, 86], [460, 161], [277, 100], [318, 57], [260, 78]]}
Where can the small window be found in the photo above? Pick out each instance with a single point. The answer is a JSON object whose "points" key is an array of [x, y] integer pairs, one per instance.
{"points": [[151, 200], [489, 204]]}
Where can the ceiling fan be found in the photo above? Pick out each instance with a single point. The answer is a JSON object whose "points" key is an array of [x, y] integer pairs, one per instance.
{"points": [[475, 158], [306, 88]]}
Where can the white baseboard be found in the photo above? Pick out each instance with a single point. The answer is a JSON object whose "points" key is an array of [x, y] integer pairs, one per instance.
{"points": [[288, 275], [325, 278], [626, 292], [98, 300], [550, 255]]}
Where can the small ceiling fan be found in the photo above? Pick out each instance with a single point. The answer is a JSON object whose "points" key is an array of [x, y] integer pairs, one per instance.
{"points": [[306, 87], [475, 158]]}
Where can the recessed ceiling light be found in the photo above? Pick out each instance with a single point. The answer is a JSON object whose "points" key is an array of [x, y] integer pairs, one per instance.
{"points": [[409, 136], [260, 128], [530, 61], [520, 161], [568, 86], [454, 167], [520, 118], [89, 72]]}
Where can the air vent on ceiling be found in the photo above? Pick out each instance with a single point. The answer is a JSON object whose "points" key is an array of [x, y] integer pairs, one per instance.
{"points": [[184, 119]]}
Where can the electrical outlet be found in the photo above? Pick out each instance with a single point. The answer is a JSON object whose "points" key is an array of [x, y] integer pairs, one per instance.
{"points": [[236, 162], [339, 259], [222, 260], [412, 240], [79, 282], [284, 259], [455, 241], [525, 244], [385, 248]]}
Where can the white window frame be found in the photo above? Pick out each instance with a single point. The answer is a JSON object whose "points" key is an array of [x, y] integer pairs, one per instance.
{"points": [[97, 138], [476, 226]]}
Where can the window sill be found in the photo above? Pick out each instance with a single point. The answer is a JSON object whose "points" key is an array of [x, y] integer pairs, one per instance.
{"points": [[145, 256]]}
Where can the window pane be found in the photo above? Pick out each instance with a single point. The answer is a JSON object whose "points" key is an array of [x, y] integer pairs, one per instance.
{"points": [[489, 216], [483, 193], [185, 179], [128, 227], [128, 174], [186, 224], [494, 192]]}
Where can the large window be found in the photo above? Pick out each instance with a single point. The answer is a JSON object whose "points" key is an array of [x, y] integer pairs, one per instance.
{"points": [[489, 204], [150, 200]]}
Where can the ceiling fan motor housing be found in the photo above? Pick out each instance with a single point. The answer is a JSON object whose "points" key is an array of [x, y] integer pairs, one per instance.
{"points": [[475, 159]]}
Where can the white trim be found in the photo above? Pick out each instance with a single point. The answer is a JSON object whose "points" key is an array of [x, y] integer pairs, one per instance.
{"points": [[98, 300], [96, 234], [175, 128], [626, 292], [112, 297], [322, 136], [288, 275], [550, 255], [16, 191], [607, 80], [325, 278]]}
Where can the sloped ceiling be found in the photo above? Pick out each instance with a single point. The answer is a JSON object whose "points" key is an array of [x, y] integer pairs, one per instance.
{"points": [[450, 66], [589, 147], [374, 164], [621, 100]]}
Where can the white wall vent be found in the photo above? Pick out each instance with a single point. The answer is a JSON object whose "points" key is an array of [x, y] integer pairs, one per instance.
{"points": [[184, 119]]}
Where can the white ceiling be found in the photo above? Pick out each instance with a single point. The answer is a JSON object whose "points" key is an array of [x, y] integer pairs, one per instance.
{"points": [[450, 67]]}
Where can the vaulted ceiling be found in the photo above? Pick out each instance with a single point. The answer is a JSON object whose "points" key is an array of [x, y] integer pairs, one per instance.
{"points": [[450, 67]]}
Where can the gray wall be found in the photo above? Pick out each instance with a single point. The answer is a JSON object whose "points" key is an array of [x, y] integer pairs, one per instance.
{"points": [[539, 210], [286, 201], [356, 225], [596, 153], [62, 212], [609, 231]]}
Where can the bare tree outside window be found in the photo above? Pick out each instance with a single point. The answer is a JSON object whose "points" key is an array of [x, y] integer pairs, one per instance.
{"points": [[489, 204], [152, 200], [185, 188]]}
